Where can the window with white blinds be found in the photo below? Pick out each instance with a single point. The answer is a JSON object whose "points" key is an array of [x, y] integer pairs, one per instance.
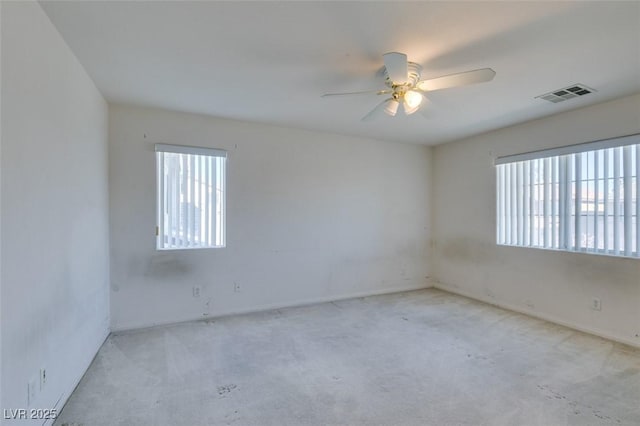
{"points": [[582, 198], [191, 197]]}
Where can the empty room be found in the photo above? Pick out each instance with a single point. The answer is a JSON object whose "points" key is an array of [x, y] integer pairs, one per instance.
{"points": [[319, 213]]}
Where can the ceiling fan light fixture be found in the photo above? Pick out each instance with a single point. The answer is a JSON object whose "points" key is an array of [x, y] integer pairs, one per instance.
{"points": [[412, 102], [392, 107], [413, 99], [409, 110]]}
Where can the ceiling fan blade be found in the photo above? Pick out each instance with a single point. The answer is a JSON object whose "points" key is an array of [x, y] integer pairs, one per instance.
{"points": [[396, 65], [455, 80], [378, 111], [364, 92]]}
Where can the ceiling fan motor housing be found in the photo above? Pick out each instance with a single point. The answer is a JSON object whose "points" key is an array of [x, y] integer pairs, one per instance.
{"points": [[413, 77]]}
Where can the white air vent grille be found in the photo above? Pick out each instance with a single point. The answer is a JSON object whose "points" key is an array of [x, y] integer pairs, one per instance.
{"points": [[566, 93]]}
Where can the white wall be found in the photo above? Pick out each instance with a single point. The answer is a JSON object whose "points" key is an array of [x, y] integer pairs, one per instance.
{"points": [[54, 246], [0, 209], [310, 217], [554, 285]]}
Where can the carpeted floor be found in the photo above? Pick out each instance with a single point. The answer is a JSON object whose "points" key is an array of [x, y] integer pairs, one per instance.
{"points": [[416, 358]]}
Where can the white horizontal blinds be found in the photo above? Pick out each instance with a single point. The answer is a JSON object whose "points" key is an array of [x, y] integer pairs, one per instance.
{"points": [[190, 197], [586, 201]]}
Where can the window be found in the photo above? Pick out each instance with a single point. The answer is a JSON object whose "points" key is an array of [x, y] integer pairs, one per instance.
{"points": [[191, 197], [582, 198]]}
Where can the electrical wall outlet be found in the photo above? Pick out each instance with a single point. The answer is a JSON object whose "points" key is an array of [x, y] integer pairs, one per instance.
{"points": [[236, 287], [196, 291], [596, 304], [32, 390], [43, 378]]}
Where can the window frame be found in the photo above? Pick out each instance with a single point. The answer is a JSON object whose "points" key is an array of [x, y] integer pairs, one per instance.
{"points": [[568, 186], [215, 153]]}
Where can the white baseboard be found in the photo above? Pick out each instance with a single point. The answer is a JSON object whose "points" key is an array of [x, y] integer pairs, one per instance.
{"points": [[539, 315], [272, 306], [64, 397]]}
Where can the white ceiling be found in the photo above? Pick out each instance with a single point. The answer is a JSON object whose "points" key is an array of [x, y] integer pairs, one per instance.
{"points": [[269, 62]]}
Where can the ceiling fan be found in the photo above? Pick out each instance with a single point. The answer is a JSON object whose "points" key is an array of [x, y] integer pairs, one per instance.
{"points": [[406, 88]]}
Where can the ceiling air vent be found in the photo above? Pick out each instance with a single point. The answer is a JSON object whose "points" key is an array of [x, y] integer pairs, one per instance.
{"points": [[569, 92]]}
